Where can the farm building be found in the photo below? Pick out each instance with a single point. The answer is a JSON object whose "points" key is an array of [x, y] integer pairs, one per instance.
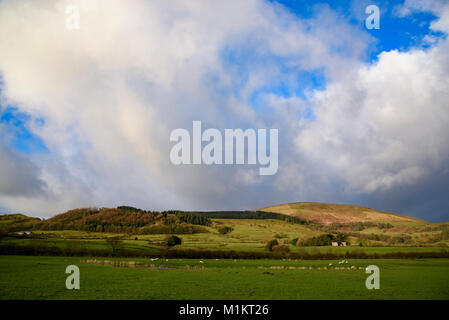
{"points": [[24, 233]]}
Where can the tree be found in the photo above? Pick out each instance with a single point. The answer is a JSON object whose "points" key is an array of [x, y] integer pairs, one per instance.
{"points": [[115, 244], [225, 230], [340, 237], [171, 241], [270, 244], [321, 240]]}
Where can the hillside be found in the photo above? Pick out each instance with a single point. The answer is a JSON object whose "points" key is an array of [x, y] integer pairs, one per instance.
{"points": [[324, 213], [294, 225], [16, 217], [16, 222], [114, 220]]}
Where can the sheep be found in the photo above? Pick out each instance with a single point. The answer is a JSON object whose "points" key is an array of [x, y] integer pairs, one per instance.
{"points": [[201, 261], [330, 265]]}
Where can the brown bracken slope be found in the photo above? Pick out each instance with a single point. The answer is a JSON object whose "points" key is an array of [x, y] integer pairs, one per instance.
{"points": [[338, 213]]}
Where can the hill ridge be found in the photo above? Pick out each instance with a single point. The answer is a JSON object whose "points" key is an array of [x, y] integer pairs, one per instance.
{"points": [[328, 213]]}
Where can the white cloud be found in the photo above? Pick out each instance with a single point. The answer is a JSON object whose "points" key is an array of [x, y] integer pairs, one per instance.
{"points": [[111, 92], [439, 8], [386, 125]]}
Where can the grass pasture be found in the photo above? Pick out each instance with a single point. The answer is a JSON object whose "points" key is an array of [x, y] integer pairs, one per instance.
{"points": [[151, 245], [26, 277]]}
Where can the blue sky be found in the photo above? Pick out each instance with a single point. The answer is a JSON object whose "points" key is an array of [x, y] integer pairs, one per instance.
{"points": [[22, 138], [396, 33], [76, 114]]}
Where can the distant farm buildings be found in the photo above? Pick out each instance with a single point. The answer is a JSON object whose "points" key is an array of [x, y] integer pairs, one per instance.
{"points": [[336, 244], [24, 233]]}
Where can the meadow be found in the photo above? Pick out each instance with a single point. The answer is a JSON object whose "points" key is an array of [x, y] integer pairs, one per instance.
{"points": [[32, 277], [244, 241]]}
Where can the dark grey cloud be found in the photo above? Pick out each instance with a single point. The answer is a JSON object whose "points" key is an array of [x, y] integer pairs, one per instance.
{"points": [[18, 175]]}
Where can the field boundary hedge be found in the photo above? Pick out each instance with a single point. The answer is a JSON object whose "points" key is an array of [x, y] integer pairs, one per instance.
{"points": [[37, 250]]}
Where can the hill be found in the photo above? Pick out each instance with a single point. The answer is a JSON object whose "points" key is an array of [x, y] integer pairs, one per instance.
{"points": [[294, 226], [16, 217], [324, 213], [114, 220]]}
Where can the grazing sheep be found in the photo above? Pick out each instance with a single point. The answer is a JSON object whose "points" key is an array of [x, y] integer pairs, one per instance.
{"points": [[353, 268], [201, 261], [330, 264]]}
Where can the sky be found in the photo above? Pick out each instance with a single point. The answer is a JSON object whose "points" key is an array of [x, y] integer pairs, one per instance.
{"points": [[86, 114]]}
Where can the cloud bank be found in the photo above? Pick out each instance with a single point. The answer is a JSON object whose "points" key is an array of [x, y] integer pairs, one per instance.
{"points": [[111, 92]]}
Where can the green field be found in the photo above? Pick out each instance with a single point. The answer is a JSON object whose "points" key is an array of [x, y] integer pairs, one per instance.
{"points": [[25, 277], [150, 245], [116, 252]]}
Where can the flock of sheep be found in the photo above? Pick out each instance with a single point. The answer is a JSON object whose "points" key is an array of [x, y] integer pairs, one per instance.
{"points": [[133, 264]]}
